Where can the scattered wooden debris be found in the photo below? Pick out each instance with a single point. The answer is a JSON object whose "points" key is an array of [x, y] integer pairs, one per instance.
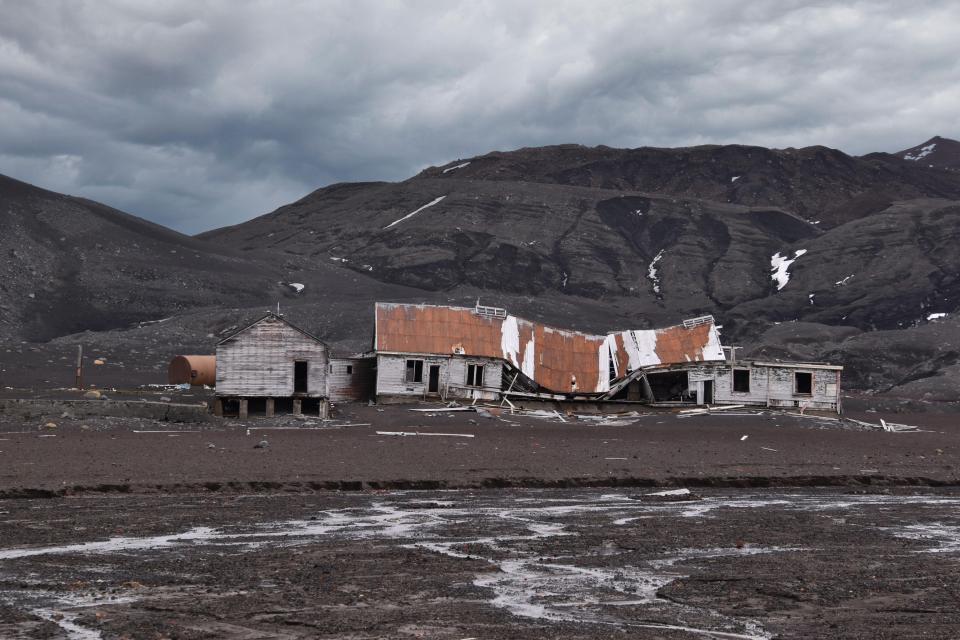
{"points": [[422, 433]]}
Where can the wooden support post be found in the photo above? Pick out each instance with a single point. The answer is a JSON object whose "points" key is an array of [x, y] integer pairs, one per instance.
{"points": [[244, 408], [324, 408], [218, 407], [269, 407], [297, 407], [79, 380]]}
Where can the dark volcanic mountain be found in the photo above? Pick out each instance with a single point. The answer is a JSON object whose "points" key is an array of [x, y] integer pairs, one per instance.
{"points": [[798, 252], [937, 152]]}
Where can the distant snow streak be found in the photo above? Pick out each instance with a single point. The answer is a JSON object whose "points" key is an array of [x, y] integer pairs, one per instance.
{"points": [[413, 213], [780, 265], [459, 166], [652, 272]]}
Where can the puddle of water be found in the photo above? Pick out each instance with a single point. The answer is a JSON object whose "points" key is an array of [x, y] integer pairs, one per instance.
{"points": [[946, 537]]}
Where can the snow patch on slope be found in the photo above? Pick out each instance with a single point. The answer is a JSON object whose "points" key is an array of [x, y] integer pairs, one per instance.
{"points": [[652, 272], [459, 166], [923, 153], [415, 212], [779, 265]]}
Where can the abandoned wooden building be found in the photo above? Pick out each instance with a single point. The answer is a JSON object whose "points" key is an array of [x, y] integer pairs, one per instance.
{"points": [[272, 366], [804, 385], [485, 353]]}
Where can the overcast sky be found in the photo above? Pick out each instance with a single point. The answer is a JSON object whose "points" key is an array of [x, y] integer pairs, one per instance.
{"points": [[202, 114]]}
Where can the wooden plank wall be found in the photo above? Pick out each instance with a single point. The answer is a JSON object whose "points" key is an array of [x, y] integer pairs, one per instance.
{"points": [[259, 361], [358, 386], [392, 371]]}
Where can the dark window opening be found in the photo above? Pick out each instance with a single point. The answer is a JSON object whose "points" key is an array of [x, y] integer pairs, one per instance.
{"points": [[803, 383], [474, 375], [299, 377], [433, 386], [741, 380], [283, 405], [414, 370], [350, 369]]}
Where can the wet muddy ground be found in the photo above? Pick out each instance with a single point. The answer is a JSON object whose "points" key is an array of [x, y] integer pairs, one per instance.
{"points": [[511, 563]]}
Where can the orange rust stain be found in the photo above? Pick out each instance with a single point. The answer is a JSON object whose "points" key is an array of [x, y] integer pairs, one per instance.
{"points": [[560, 357], [679, 344]]}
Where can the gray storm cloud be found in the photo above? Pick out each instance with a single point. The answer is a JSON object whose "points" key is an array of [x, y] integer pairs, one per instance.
{"points": [[202, 114]]}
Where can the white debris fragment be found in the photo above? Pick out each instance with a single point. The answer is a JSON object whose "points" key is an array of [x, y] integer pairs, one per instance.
{"points": [[459, 166], [734, 178], [744, 438], [936, 316], [336, 259], [780, 264], [810, 297], [840, 283], [416, 211], [652, 272], [296, 286], [923, 153], [671, 492], [421, 433]]}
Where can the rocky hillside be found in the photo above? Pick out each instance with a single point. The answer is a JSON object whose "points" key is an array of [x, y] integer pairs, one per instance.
{"points": [[802, 253]]}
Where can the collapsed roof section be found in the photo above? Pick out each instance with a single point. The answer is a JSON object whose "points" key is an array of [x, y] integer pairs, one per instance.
{"points": [[557, 360]]}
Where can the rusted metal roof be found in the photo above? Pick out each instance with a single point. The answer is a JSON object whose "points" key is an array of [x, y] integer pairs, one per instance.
{"points": [[558, 360]]}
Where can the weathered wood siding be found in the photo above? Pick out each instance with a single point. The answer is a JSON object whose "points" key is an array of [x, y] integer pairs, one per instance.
{"points": [[357, 386], [774, 386], [259, 361], [392, 372]]}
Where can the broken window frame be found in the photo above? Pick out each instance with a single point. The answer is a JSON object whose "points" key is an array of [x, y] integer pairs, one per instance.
{"points": [[350, 369], [796, 383], [474, 375], [738, 388], [414, 372]]}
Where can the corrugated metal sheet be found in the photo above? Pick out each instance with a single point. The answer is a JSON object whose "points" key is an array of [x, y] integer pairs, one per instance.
{"points": [[558, 360]]}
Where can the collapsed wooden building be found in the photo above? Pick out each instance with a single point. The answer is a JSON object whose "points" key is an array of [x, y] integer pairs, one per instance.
{"points": [[484, 353]]}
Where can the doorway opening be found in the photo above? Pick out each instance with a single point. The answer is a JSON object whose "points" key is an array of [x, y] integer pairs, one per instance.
{"points": [[434, 382], [300, 376]]}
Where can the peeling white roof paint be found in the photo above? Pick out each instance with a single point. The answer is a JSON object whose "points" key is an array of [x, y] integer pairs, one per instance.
{"points": [[510, 340]]}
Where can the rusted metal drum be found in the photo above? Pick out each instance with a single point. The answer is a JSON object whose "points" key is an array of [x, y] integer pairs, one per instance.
{"points": [[196, 370]]}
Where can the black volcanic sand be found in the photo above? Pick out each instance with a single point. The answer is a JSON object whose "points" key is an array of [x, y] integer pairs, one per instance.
{"points": [[515, 563], [653, 449]]}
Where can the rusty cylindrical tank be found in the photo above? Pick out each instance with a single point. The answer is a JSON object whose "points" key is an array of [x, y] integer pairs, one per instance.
{"points": [[197, 370]]}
